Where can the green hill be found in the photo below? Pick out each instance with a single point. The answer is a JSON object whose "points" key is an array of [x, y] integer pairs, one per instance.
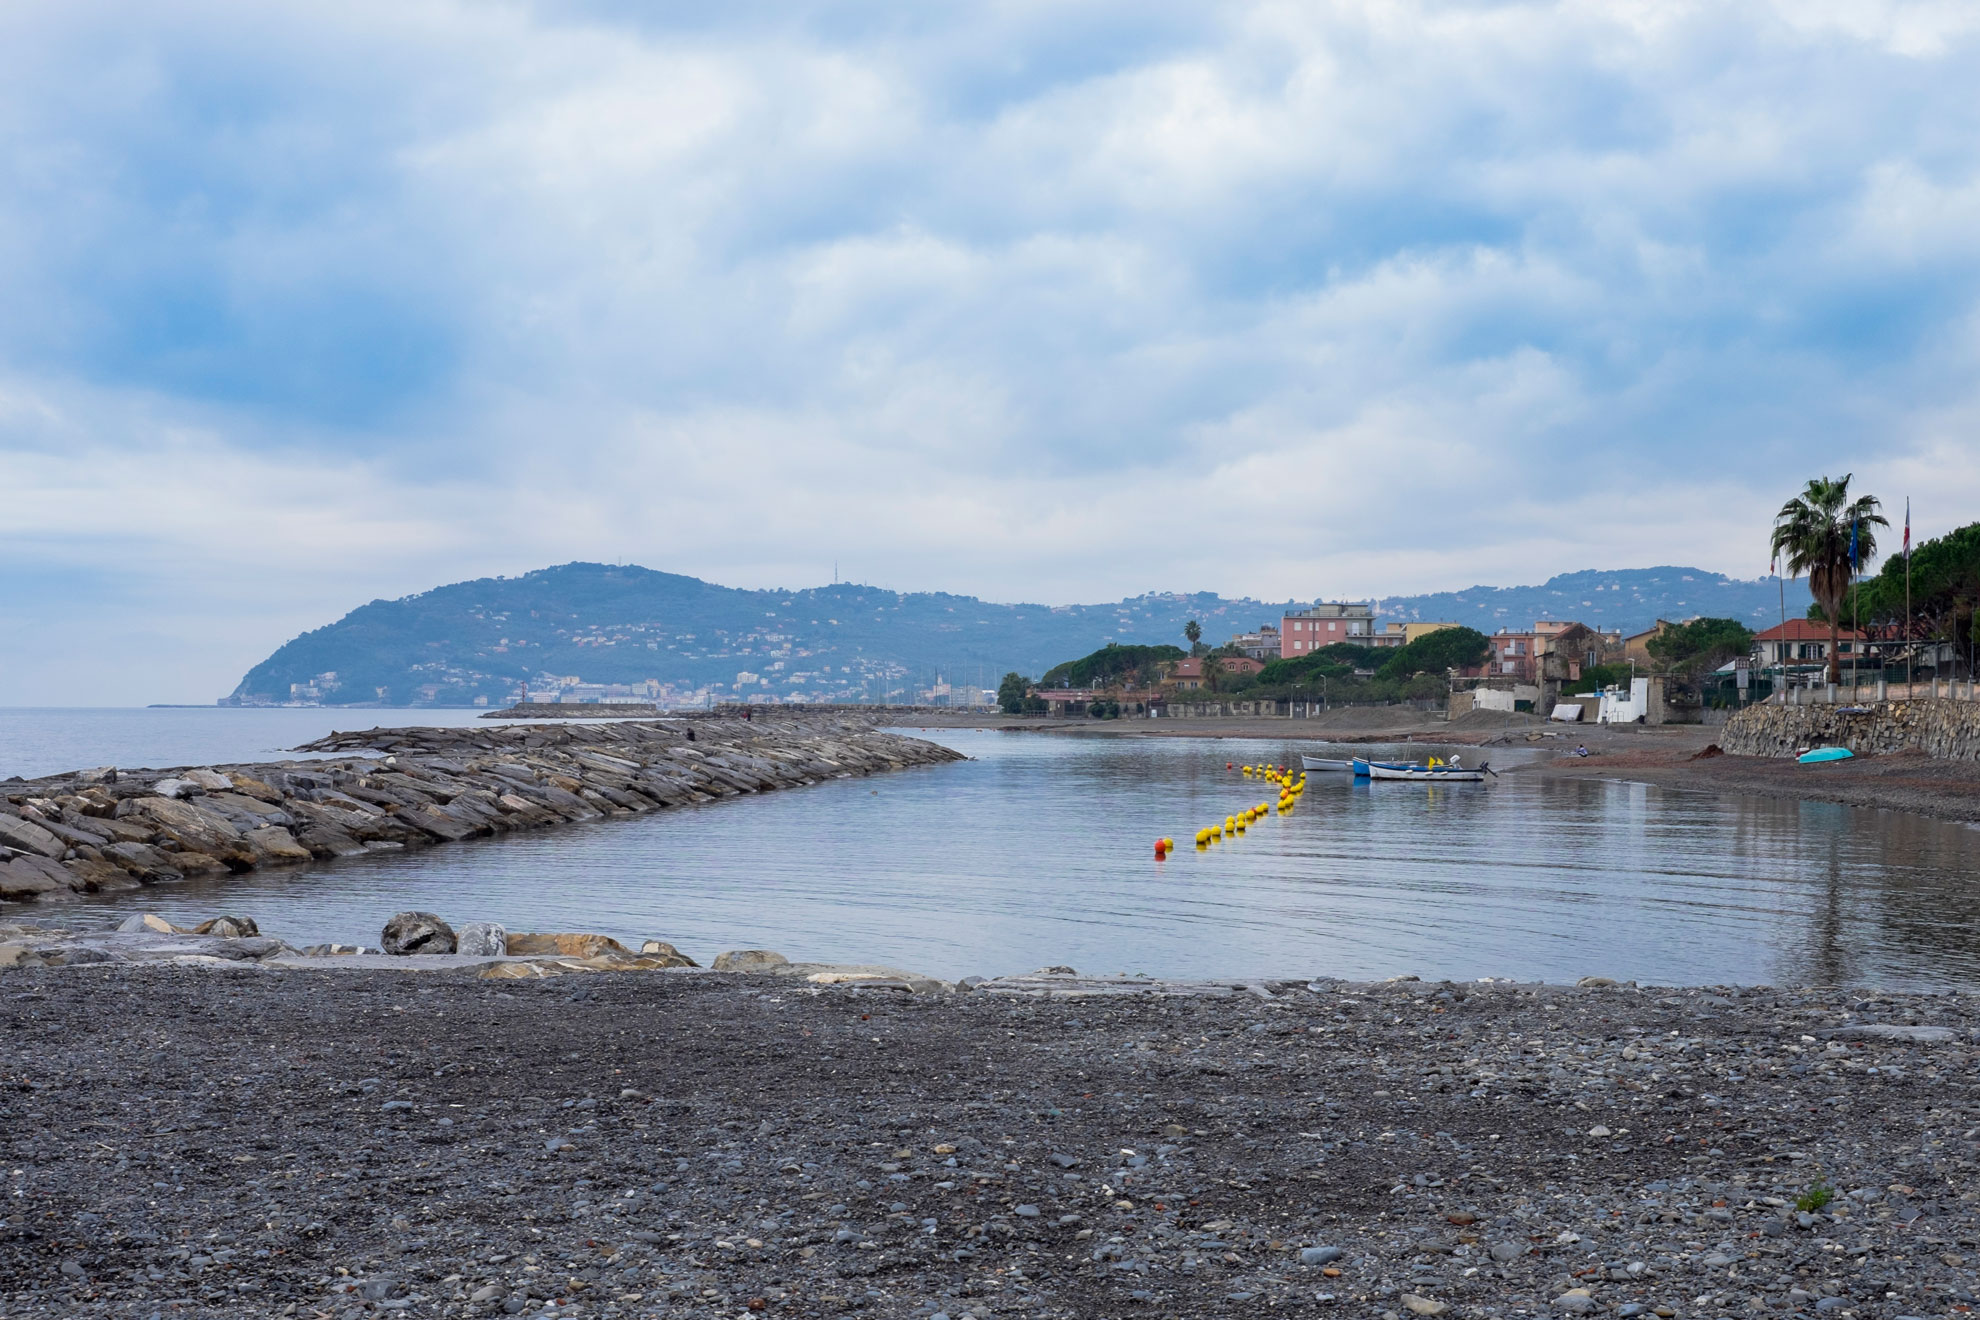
{"points": [[622, 625]]}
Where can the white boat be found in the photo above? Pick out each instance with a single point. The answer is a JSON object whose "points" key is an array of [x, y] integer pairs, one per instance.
{"points": [[1325, 763], [1440, 774]]}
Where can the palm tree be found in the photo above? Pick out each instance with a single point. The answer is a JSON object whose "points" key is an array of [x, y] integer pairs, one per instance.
{"points": [[1193, 634], [1817, 530]]}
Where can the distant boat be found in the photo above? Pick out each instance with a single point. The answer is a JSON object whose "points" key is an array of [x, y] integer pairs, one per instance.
{"points": [[1440, 774], [1325, 763], [1821, 754]]}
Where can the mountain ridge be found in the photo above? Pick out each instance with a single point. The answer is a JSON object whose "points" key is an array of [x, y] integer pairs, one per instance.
{"points": [[689, 641]]}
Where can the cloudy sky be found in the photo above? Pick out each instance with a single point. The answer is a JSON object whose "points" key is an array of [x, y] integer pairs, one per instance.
{"points": [[305, 304]]}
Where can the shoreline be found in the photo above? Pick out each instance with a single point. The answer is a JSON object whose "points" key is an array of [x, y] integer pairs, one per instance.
{"points": [[738, 1145], [1663, 756]]}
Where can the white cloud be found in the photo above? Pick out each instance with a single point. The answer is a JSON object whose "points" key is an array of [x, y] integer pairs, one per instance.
{"points": [[299, 306]]}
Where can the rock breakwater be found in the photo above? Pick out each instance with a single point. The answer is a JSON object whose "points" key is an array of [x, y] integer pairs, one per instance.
{"points": [[109, 829], [1941, 728]]}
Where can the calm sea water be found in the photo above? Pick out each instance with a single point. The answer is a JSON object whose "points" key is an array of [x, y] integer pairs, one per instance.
{"points": [[1038, 851], [46, 740]]}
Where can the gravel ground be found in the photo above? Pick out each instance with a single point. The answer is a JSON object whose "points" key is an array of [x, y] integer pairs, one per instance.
{"points": [[195, 1141]]}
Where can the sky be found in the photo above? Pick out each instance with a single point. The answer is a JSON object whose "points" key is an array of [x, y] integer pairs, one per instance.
{"points": [[303, 305]]}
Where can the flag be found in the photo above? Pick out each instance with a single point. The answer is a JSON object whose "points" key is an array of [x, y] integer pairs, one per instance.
{"points": [[1852, 545], [1907, 528]]}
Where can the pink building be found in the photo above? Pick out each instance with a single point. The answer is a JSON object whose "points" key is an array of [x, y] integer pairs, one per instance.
{"points": [[1323, 625]]}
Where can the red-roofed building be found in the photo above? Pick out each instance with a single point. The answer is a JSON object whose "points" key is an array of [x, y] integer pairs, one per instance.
{"points": [[1802, 641]]}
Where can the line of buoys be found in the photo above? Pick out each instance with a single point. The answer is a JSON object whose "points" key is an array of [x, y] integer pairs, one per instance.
{"points": [[1290, 789], [1162, 847]]}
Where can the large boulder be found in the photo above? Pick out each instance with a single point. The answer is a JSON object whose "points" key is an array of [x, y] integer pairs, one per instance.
{"points": [[26, 836], [32, 877], [482, 939], [525, 944], [210, 780], [274, 846], [197, 830], [748, 960], [417, 932]]}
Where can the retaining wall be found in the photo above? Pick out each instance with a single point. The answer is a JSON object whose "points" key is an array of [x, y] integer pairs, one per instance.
{"points": [[1943, 728]]}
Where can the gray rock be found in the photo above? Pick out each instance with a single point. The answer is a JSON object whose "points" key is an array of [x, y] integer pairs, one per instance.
{"points": [[416, 932], [1574, 1303], [488, 1292], [1890, 1031], [102, 774], [482, 939], [1505, 1252], [27, 836], [175, 788], [1320, 1255], [744, 960], [232, 928], [1026, 1212]]}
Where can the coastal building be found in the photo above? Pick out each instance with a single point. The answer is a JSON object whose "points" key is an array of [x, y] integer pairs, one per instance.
{"points": [[1260, 645], [1515, 655], [1390, 635], [1186, 675], [1412, 631], [1303, 631], [1803, 641], [1636, 646]]}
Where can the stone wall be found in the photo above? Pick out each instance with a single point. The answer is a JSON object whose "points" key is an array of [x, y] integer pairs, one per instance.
{"points": [[1948, 729]]}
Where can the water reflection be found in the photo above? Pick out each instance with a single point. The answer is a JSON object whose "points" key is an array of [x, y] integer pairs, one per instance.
{"points": [[1039, 852]]}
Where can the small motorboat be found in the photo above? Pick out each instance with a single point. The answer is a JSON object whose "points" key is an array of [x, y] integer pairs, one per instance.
{"points": [[1326, 763], [1821, 754], [1364, 769], [1436, 774]]}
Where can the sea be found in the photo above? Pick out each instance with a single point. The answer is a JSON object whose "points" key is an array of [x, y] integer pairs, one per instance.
{"points": [[1038, 851]]}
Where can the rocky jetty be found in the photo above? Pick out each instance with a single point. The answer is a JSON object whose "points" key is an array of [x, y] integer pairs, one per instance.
{"points": [[108, 829]]}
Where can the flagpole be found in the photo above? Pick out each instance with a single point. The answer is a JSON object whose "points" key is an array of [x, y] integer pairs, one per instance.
{"points": [[1909, 645], [1780, 647]]}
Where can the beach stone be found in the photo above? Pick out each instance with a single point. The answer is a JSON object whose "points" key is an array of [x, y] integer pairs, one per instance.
{"points": [[102, 774], [1421, 1305], [481, 939], [529, 944], [416, 932], [744, 960], [174, 787], [1575, 1301], [1894, 1032], [232, 928], [1320, 1255], [1506, 1252], [210, 780], [662, 949], [144, 921]]}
